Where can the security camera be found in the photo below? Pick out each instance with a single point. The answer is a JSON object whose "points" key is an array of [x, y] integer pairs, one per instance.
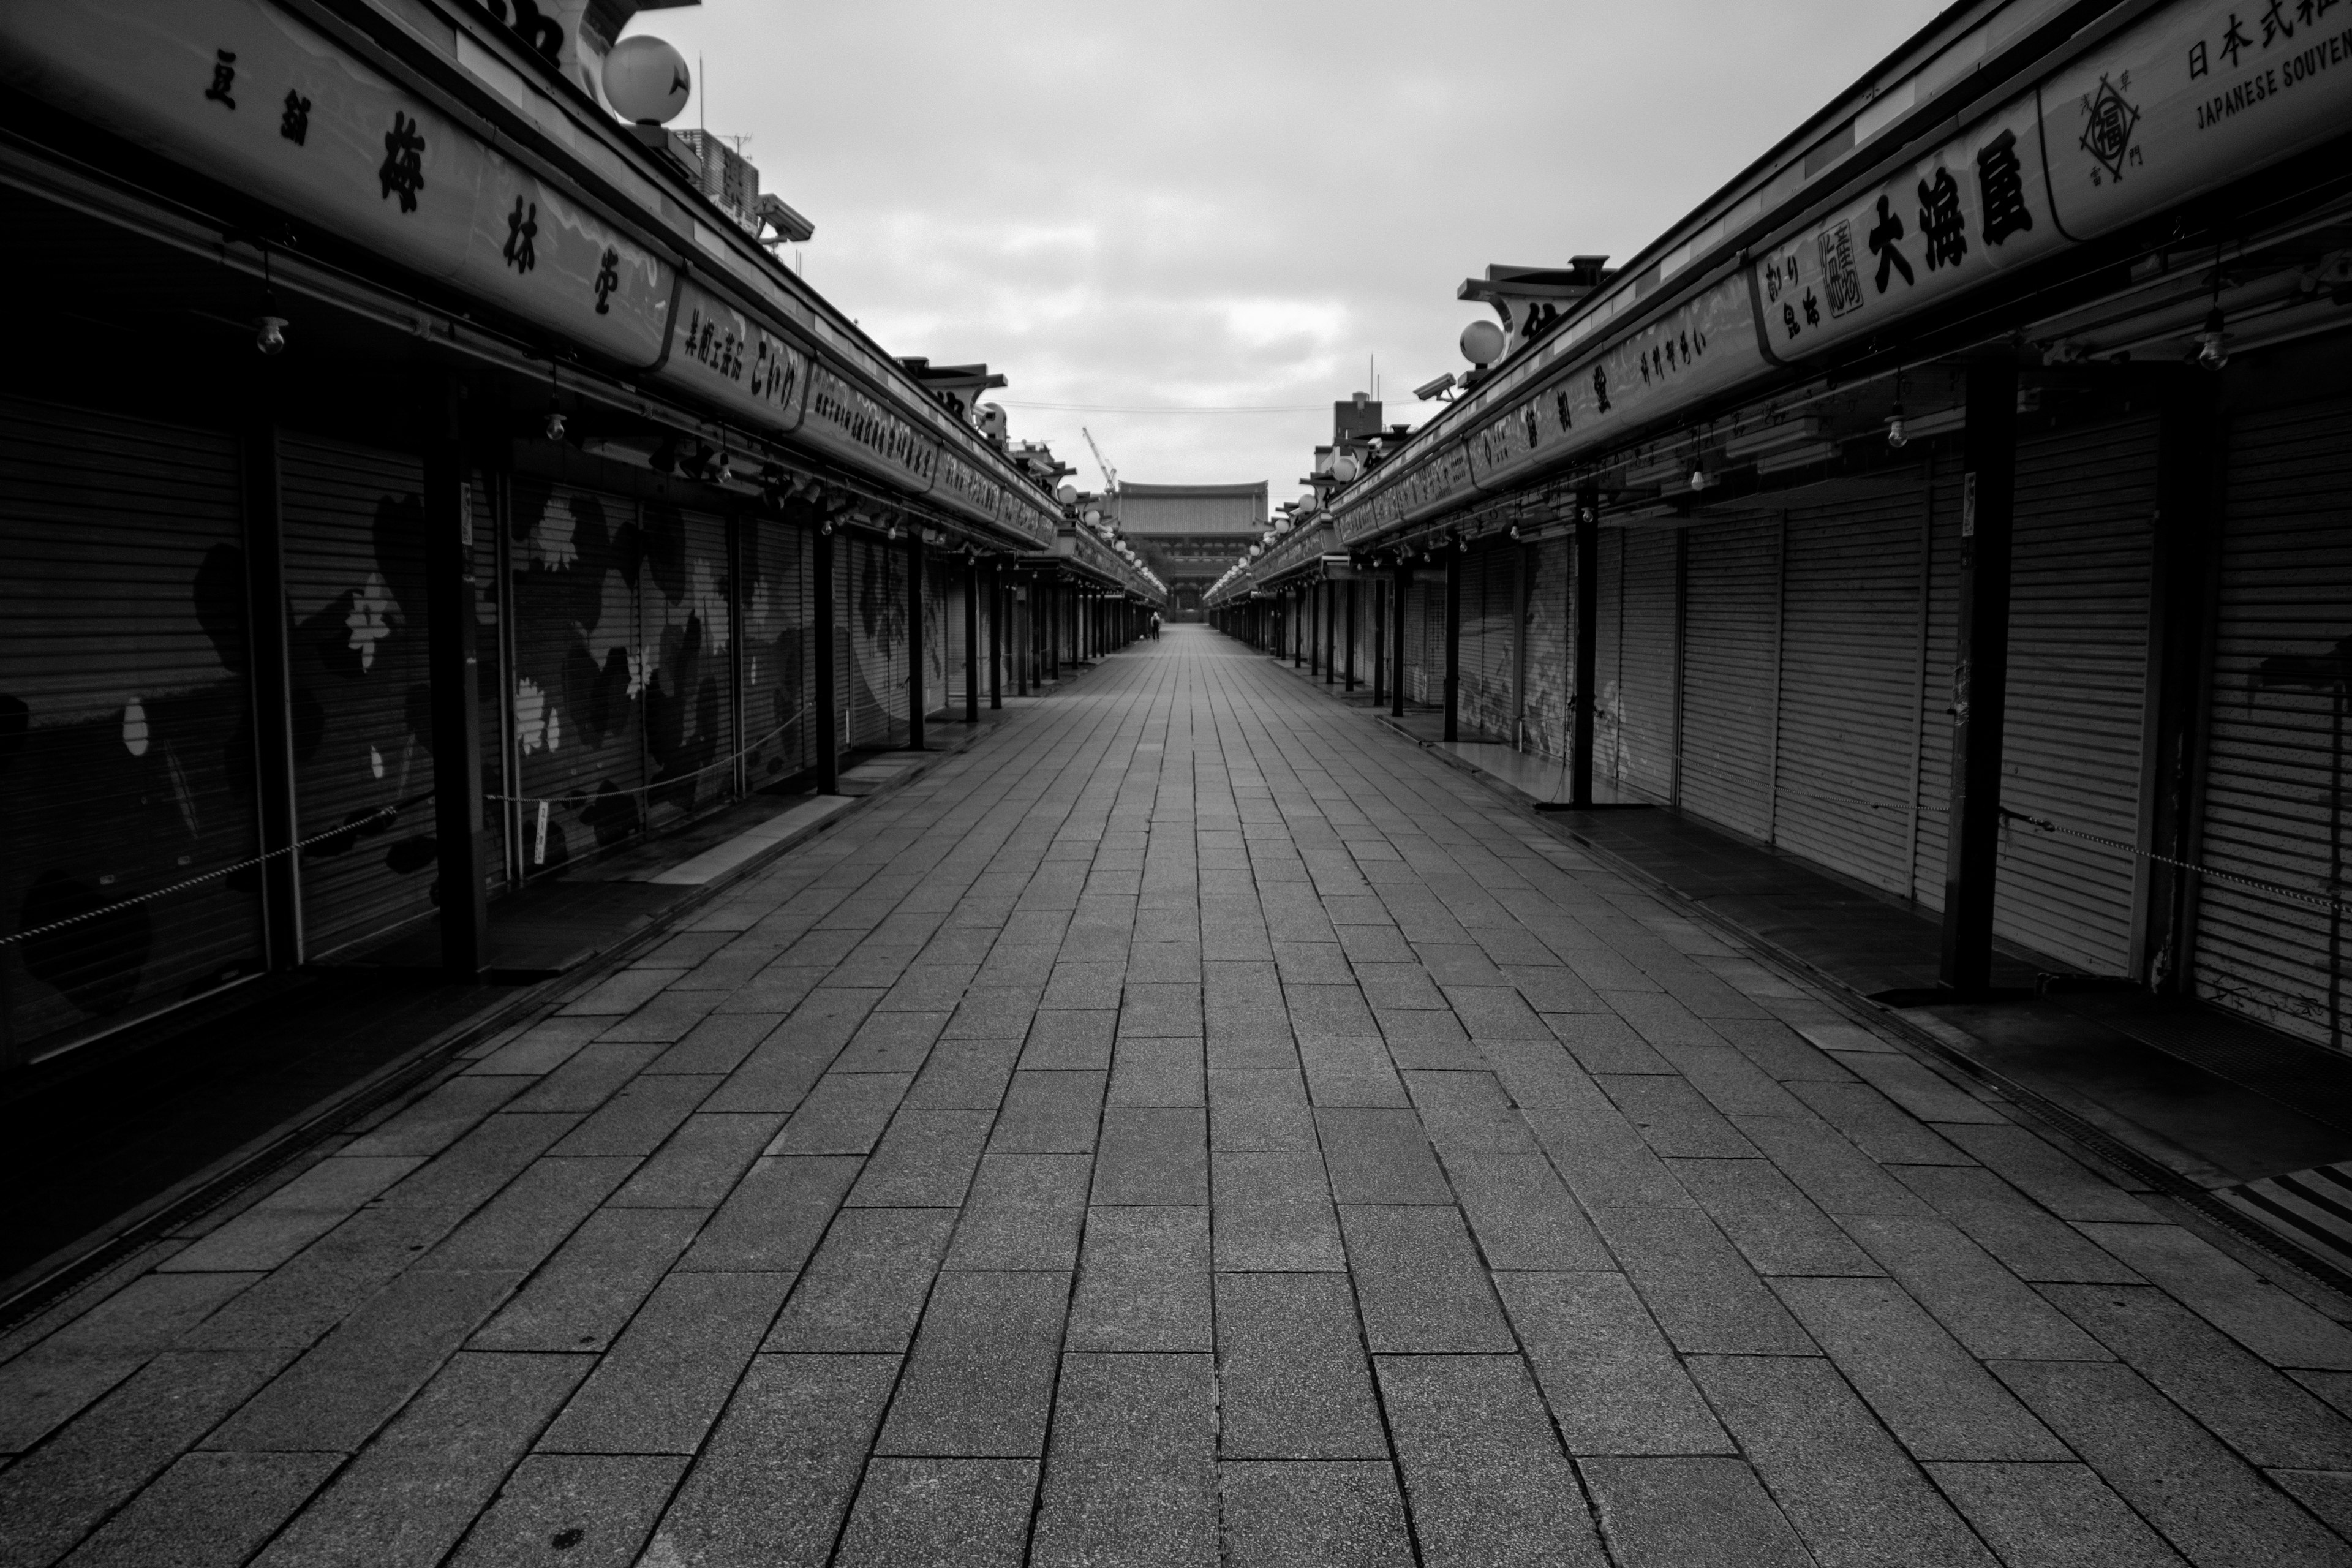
{"points": [[1429, 389]]}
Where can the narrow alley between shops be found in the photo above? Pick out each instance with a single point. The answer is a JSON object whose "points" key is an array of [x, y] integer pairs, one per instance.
{"points": [[1193, 1125]]}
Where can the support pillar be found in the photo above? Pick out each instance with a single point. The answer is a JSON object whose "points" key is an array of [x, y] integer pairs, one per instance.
{"points": [[1331, 610], [1454, 644], [1396, 636], [1980, 672], [1053, 593], [1587, 644], [267, 647], [971, 653], [828, 717], [453, 660], [995, 635], [1352, 596], [916, 654]]}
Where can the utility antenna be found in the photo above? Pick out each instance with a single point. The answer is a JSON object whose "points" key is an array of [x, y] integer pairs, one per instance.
{"points": [[1109, 474]]}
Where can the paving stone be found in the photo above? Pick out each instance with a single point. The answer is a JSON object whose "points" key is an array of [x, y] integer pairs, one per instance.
{"points": [[1143, 1281], [2206, 1501], [54, 1495], [775, 1078], [1348, 1071], [1483, 1472], [2260, 1413], [2224, 1292], [1613, 1382], [538, 1049], [772, 1219], [1023, 1212], [1932, 1394], [717, 1043], [1421, 1288], [2052, 1516], [1698, 1286], [1689, 1514], [1922, 1091], [2028, 1240], [925, 1160], [206, 1509], [1293, 1380], [665, 1018], [293, 1217], [573, 1511], [844, 1114], [865, 1288], [1292, 1515], [433, 1122], [1603, 1158], [660, 1387], [1158, 1070], [1380, 1157], [1854, 1497], [2326, 1493], [1541, 1073], [963, 1075], [580, 1300], [982, 1376], [412, 1494], [352, 1380], [1152, 1155], [940, 1514], [891, 1042], [1522, 1214], [1259, 1109], [1070, 1039], [1050, 1114], [1273, 1211], [2059, 1183], [295, 1305], [1132, 1475], [1836, 1175], [1882, 1130], [1674, 1118], [1986, 1307]]}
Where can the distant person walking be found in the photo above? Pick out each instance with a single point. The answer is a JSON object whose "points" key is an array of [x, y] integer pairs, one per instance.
{"points": [[1155, 625]]}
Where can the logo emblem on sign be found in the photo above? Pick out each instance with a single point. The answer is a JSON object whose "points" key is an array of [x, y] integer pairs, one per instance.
{"points": [[2108, 121]]}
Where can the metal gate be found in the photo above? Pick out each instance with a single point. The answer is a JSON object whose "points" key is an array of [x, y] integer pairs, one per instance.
{"points": [[688, 684], [2280, 754], [2077, 683], [126, 737], [1731, 602], [1647, 658], [1852, 594], [363, 711]]}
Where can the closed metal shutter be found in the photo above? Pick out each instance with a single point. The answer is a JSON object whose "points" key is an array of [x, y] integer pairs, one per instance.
{"points": [[779, 597], [1609, 656], [2077, 681], [1850, 684], [1425, 637], [1731, 614], [1647, 674], [872, 598], [490, 683], [1489, 643], [1942, 632], [936, 632], [126, 740], [2281, 725], [1547, 661], [354, 519], [575, 561], [689, 694]]}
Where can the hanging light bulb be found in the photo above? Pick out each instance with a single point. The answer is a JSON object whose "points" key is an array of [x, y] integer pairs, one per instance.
{"points": [[2213, 351], [554, 423], [1894, 436], [270, 334], [1699, 479]]}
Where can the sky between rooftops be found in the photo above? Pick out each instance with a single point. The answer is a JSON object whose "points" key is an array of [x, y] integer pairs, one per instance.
{"points": [[1230, 203]]}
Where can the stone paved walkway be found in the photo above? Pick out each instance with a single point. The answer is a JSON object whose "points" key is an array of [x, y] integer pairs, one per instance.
{"points": [[1192, 1126]]}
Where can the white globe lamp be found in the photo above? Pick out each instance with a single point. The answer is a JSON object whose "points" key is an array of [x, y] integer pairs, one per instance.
{"points": [[647, 81], [1481, 343]]}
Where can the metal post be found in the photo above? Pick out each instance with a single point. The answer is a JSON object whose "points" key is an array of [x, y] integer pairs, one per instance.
{"points": [[1024, 641], [1587, 644], [916, 652], [1454, 644], [1980, 672], [1330, 612], [1053, 592], [828, 719], [453, 660], [741, 554], [1351, 635], [1396, 636], [971, 640]]}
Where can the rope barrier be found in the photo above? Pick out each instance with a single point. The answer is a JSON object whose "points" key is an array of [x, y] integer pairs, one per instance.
{"points": [[348, 828], [2276, 889]]}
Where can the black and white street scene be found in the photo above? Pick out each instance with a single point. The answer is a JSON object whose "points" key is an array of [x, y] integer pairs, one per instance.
{"points": [[921, 786]]}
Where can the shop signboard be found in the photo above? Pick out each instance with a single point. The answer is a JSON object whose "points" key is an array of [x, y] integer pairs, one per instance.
{"points": [[728, 358], [856, 426], [249, 96]]}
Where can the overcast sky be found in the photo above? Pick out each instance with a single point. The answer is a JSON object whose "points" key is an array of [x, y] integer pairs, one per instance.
{"points": [[1226, 204]]}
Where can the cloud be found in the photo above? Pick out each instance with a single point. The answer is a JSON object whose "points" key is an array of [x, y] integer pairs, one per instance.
{"points": [[1230, 203]]}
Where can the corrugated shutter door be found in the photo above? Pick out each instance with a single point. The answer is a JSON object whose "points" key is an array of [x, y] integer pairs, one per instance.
{"points": [[1609, 658], [873, 601], [1850, 685], [936, 634], [483, 493], [1731, 619], [2077, 679], [1936, 690], [1548, 657], [126, 743], [689, 696], [2281, 725], [574, 559], [1646, 662], [363, 696]]}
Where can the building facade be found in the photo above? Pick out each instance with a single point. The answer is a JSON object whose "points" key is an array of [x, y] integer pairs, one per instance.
{"points": [[1189, 535]]}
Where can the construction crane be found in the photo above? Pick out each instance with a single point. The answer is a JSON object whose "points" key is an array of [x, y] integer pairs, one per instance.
{"points": [[1109, 474]]}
